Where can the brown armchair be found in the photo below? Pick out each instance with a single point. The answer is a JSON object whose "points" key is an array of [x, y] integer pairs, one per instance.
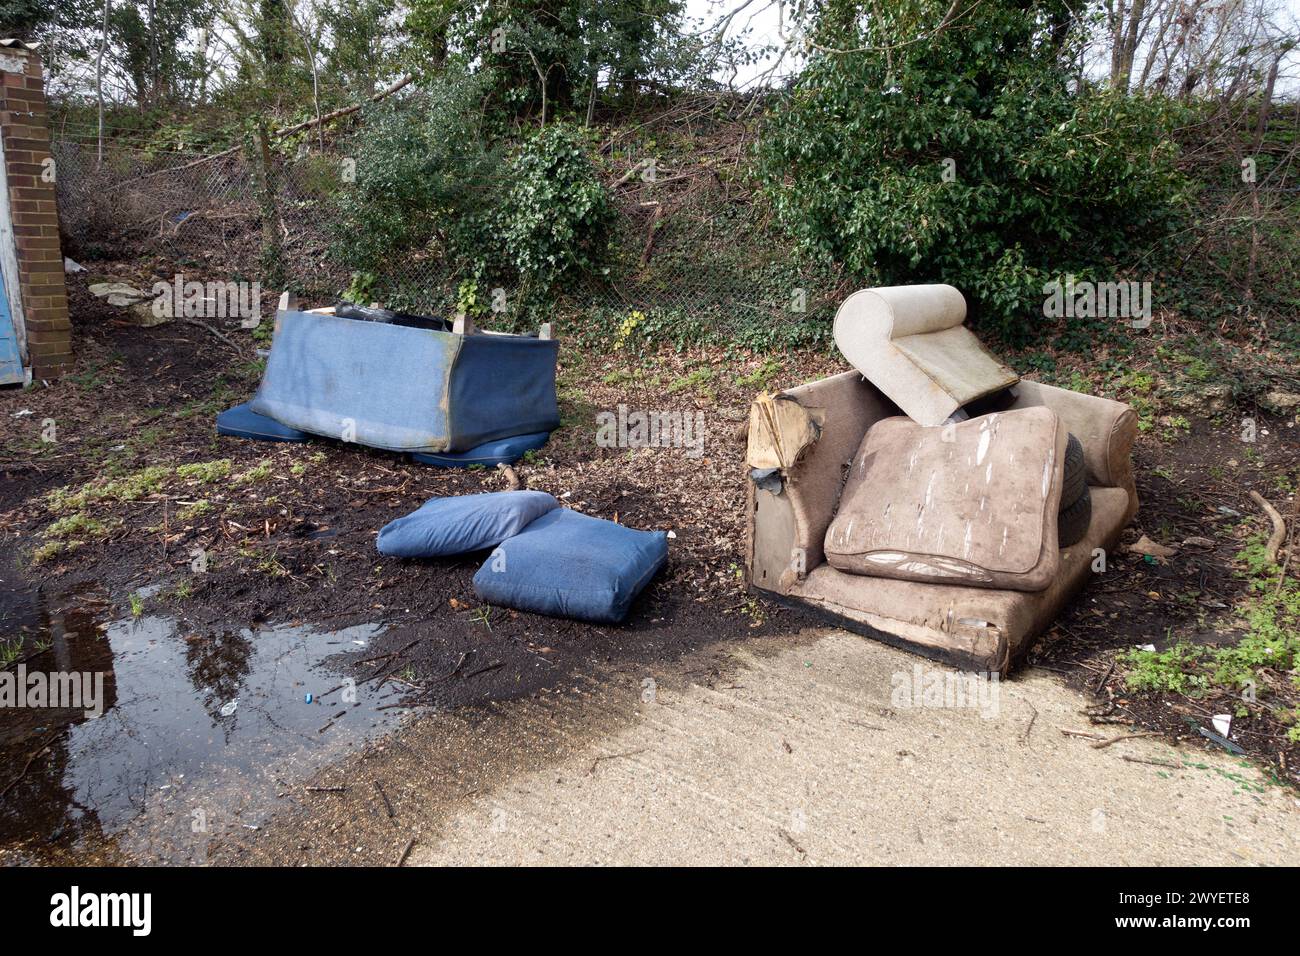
{"points": [[974, 628]]}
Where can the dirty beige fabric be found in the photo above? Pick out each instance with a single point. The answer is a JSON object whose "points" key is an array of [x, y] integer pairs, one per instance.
{"points": [[951, 618], [910, 343], [972, 503], [852, 406], [1105, 428]]}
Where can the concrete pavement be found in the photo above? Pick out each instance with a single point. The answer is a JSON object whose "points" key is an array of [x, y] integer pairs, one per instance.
{"points": [[814, 754]]}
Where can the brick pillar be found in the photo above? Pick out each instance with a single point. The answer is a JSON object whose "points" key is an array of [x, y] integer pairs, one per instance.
{"points": [[29, 169]]}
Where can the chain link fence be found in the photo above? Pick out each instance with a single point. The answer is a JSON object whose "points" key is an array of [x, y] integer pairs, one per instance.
{"points": [[692, 248]]}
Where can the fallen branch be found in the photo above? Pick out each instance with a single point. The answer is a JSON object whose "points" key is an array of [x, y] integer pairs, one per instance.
{"points": [[217, 332], [636, 168], [287, 131], [1279, 527], [651, 231]]}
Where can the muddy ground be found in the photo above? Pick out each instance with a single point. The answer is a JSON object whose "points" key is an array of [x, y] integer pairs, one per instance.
{"points": [[284, 535]]}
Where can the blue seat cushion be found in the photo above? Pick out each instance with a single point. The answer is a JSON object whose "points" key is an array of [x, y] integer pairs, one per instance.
{"points": [[461, 523], [502, 451], [567, 564], [242, 422]]}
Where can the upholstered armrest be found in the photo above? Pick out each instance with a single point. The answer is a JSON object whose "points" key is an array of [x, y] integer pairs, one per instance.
{"points": [[812, 485], [1105, 428]]}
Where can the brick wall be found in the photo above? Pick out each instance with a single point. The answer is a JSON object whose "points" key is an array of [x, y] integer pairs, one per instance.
{"points": [[24, 124]]}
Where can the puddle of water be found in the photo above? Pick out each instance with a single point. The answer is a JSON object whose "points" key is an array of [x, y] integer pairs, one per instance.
{"points": [[197, 737]]}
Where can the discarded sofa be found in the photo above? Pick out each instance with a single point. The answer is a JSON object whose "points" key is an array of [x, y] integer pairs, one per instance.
{"points": [[939, 538], [545, 559], [447, 398]]}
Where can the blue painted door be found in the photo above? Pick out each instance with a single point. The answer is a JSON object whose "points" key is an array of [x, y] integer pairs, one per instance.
{"points": [[11, 366]]}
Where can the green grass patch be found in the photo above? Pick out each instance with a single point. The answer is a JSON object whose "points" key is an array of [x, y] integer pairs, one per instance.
{"points": [[206, 472], [133, 487], [1271, 643]]}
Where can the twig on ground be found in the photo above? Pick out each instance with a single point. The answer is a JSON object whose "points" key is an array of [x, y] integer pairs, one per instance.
{"points": [[794, 843], [484, 669], [388, 804], [1024, 736], [1105, 677], [1154, 763], [1114, 740], [1079, 733], [214, 331], [600, 757], [30, 760], [1290, 545], [406, 851]]}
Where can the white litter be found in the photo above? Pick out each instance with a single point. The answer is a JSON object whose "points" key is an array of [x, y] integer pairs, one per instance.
{"points": [[1222, 723], [228, 709]]}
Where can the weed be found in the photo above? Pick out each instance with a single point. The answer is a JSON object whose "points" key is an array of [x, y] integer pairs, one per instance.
{"points": [[761, 377], [77, 525], [51, 549], [1271, 643], [10, 649], [272, 567], [259, 472], [195, 510], [205, 472], [133, 487], [691, 381], [1168, 670]]}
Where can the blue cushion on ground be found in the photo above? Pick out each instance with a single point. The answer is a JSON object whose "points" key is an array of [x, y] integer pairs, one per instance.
{"points": [[568, 564], [242, 422], [503, 451], [462, 523]]}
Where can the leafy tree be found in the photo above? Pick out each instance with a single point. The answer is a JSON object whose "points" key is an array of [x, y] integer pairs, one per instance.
{"points": [[556, 213], [425, 176], [149, 44], [933, 140], [429, 180], [555, 53]]}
